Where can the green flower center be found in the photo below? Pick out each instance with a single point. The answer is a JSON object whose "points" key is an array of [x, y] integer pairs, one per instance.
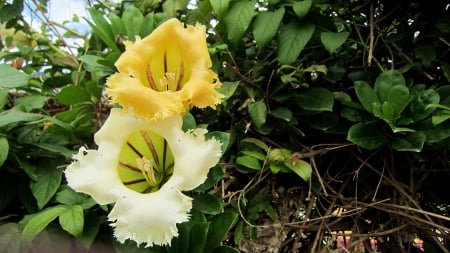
{"points": [[146, 162]]}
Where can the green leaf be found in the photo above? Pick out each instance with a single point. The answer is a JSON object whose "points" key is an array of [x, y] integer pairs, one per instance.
{"points": [[248, 162], [207, 203], [117, 26], [257, 142], [332, 41], [10, 239], [301, 8], [228, 89], [4, 150], [40, 221], [220, 7], [413, 142], [385, 82], [238, 19], [283, 113], [15, 115], [399, 98], [368, 136], [3, 98], [225, 249], [12, 78], [31, 102], [301, 168], [72, 220], [366, 95], [72, 94], [68, 196], [46, 185], [132, 19], [218, 228], [266, 26], [171, 7], [292, 39], [316, 99], [222, 137], [258, 113], [102, 28], [198, 233], [262, 203], [215, 174], [419, 105]]}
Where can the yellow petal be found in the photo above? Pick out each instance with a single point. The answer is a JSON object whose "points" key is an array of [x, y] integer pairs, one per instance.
{"points": [[174, 61]]}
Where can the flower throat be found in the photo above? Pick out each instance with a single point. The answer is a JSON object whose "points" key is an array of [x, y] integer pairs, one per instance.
{"points": [[146, 162]]}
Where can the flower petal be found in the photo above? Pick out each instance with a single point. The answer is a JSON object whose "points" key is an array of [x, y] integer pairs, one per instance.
{"points": [[94, 173], [150, 218], [173, 61], [147, 103]]}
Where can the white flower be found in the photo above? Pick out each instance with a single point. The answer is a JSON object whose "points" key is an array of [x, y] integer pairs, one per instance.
{"points": [[143, 167]]}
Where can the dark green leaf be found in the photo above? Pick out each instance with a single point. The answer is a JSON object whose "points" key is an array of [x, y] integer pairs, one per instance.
{"points": [[218, 228], [300, 167], [12, 78], [46, 185], [316, 99], [72, 94], [228, 89], [399, 98], [197, 238], [117, 26], [258, 113], [225, 249], [4, 150], [293, 38], [207, 203], [301, 8], [238, 19], [215, 174], [102, 28], [266, 26], [31, 102], [366, 95], [413, 142], [10, 239], [368, 136], [222, 137], [332, 41], [171, 7], [72, 220], [385, 82]]}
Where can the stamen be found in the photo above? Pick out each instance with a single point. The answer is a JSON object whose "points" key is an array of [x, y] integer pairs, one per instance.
{"points": [[181, 77], [148, 73], [146, 168], [150, 146]]}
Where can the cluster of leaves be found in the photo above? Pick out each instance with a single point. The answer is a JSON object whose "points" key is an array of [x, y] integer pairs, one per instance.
{"points": [[296, 75]]}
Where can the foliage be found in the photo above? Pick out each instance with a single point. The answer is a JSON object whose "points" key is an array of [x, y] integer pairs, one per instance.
{"points": [[328, 104]]}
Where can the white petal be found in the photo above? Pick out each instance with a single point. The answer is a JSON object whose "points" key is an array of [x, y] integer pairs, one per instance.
{"points": [[150, 218], [94, 173]]}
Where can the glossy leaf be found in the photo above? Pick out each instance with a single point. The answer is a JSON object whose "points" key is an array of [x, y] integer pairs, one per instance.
{"points": [[366, 95], [385, 82], [300, 167], [368, 136], [413, 142]]}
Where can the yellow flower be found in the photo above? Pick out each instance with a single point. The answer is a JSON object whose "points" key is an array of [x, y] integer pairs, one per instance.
{"points": [[166, 73], [143, 166]]}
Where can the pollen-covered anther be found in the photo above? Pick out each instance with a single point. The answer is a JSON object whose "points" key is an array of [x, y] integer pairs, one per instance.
{"points": [[147, 169]]}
